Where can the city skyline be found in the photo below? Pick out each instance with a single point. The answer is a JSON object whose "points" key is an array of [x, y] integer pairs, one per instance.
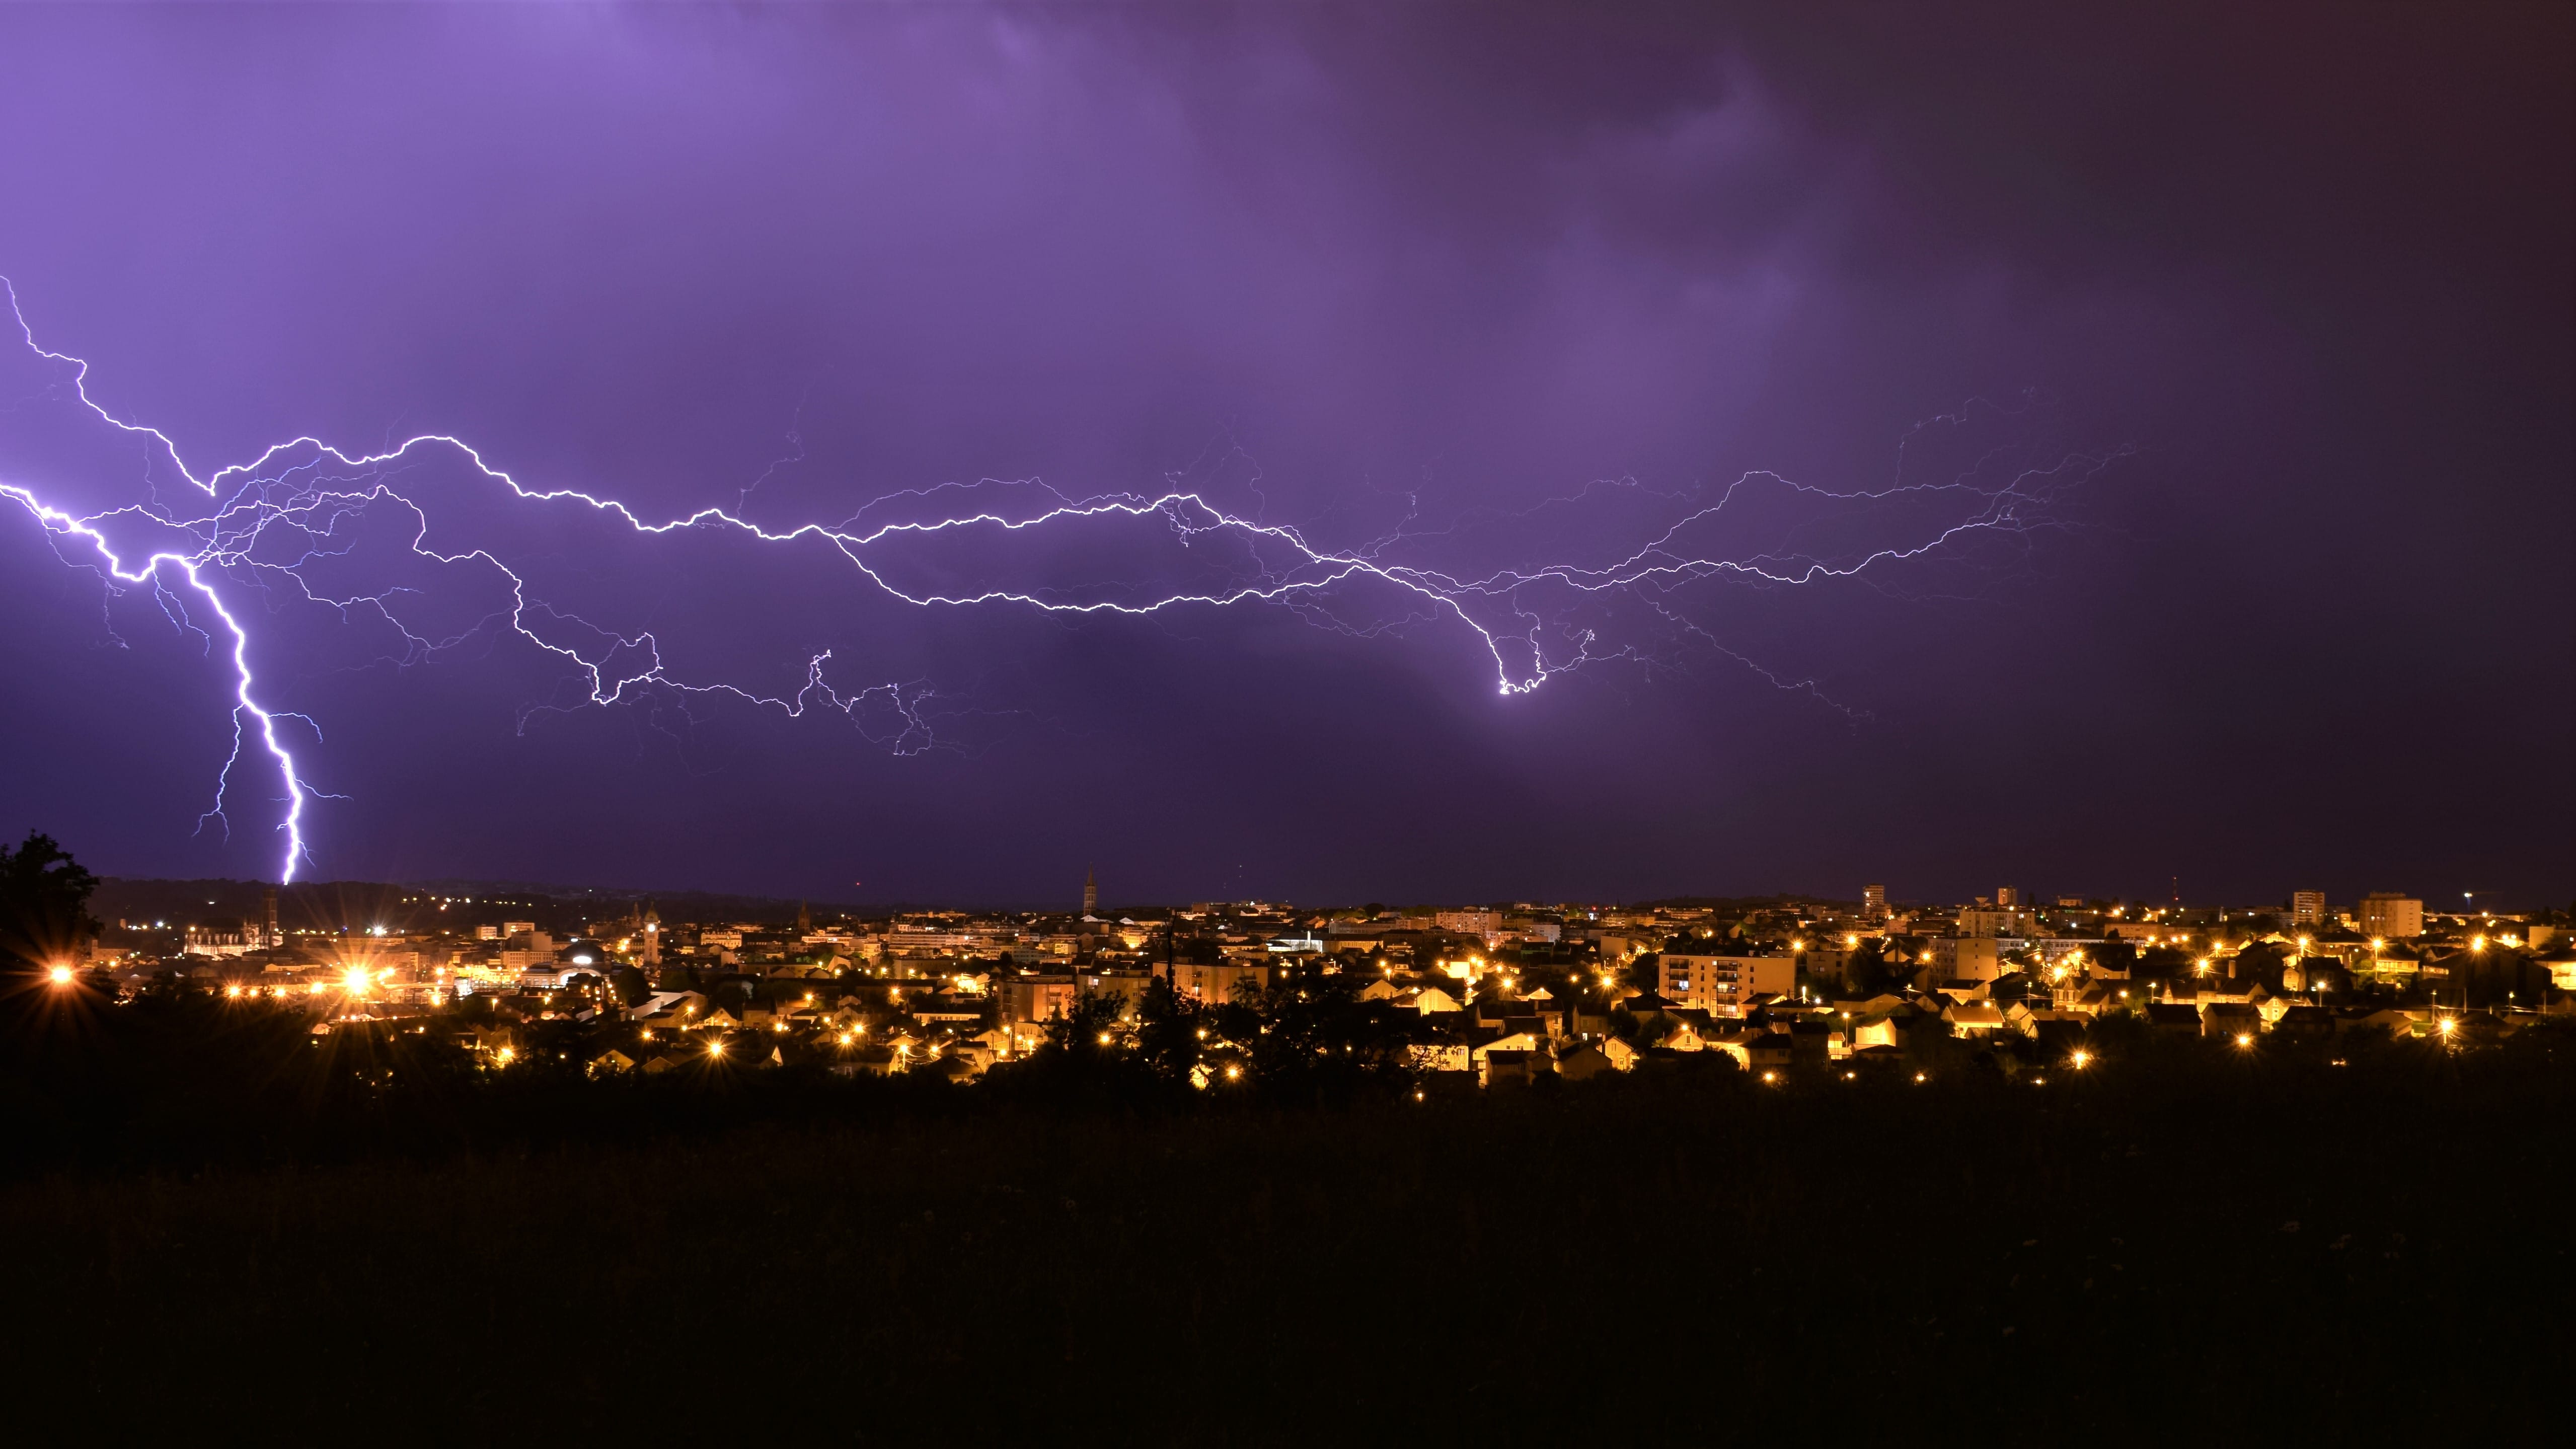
{"points": [[1288, 721]]}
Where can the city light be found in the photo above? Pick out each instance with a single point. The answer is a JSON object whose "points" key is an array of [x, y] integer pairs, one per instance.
{"points": [[2081, 1060], [59, 975]]}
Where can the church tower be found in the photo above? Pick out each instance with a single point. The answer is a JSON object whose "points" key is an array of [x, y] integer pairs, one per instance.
{"points": [[1090, 893], [652, 955]]}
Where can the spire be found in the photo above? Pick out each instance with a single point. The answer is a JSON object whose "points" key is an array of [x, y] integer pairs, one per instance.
{"points": [[1090, 893]]}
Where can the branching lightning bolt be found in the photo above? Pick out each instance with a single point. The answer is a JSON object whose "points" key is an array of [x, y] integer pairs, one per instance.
{"points": [[251, 514]]}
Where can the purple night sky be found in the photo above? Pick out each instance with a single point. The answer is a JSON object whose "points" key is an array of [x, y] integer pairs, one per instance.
{"points": [[2289, 285]]}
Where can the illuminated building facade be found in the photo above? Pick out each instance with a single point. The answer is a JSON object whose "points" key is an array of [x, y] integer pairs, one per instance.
{"points": [[1723, 984], [2385, 913]]}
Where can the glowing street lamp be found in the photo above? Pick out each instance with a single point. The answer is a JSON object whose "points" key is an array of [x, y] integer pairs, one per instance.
{"points": [[59, 975]]}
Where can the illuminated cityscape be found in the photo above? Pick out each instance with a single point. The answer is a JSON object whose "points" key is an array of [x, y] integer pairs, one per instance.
{"points": [[1287, 722], [1475, 995]]}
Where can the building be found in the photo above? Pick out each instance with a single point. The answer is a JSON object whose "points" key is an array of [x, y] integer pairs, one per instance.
{"points": [[652, 953], [1217, 983], [2001, 920], [1969, 958], [207, 941], [1028, 1000], [2008, 897], [2385, 913], [928, 941], [1723, 985], [2307, 908], [1483, 925], [1873, 902], [1090, 895]]}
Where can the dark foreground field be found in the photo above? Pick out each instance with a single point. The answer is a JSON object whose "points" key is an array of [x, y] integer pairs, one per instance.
{"points": [[2201, 1252]]}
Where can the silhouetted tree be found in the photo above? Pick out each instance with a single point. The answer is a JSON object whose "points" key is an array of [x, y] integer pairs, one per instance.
{"points": [[1870, 972], [44, 905]]}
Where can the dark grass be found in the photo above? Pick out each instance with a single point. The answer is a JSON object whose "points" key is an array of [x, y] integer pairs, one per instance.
{"points": [[1690, 1258]]}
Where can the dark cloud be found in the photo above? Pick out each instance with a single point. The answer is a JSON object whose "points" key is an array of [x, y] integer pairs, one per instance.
{"points": [[1342, 263]]}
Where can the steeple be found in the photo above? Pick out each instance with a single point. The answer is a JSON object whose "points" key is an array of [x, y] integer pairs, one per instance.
{"points": [[1090, 893]]}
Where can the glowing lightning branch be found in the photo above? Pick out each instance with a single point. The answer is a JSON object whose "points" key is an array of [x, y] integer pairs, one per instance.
{"points": [[303, 488], [62, 524]]}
